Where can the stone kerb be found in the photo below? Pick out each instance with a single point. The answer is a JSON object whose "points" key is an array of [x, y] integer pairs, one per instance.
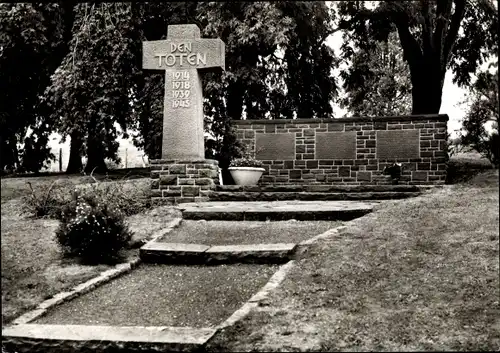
{"points": [[178, 181]]}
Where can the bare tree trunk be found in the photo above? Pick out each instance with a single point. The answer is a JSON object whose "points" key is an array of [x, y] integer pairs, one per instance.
{"points": [[95, 157], [427, 88], [75, 155]]}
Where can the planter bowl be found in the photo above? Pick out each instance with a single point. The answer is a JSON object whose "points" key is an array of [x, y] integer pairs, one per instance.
{"points": [[246, 175]]}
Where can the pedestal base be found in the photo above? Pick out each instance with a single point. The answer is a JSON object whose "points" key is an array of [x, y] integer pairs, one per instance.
{"points": [[178, 181]]}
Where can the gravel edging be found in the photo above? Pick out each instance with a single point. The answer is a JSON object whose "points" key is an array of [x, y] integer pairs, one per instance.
{"points": [[89, 285], [323, 235], [262, 294]]}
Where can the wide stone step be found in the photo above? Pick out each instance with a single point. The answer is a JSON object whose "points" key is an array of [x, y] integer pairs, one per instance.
{"points": [[276, 210], [75, 338], [319, 188], [196, 254], [308, 196]]}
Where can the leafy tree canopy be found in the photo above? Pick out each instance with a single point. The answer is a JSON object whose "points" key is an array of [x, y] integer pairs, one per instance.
{"points": [[32, 43], [480, 125], [435, 36], [377, 83]]}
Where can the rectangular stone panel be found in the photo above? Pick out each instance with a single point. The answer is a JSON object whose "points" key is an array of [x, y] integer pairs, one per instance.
{"points": [[336, 145], [393, 144], [275, 146]]}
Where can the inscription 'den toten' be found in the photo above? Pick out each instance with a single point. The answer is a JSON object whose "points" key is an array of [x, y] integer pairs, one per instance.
{"points": [[181, 53]]}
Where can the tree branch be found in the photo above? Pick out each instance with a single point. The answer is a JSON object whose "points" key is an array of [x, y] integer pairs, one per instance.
{"points": [[443, 12], [452, 34], [411, 48], [426, 26]]}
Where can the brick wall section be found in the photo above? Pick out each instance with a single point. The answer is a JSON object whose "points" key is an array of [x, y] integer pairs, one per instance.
{"points": [[178, 181], [366, 168]]}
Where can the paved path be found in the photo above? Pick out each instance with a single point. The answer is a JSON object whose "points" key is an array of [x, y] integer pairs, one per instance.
{"points": [[28, 335]]}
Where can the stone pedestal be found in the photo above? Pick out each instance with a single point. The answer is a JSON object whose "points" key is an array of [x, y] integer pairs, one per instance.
{"points": [[177, 181]]}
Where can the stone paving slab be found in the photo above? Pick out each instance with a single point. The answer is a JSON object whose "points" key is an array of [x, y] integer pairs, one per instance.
{"points": [[253, 253], [195, 254], [40, 337], [276, 210], [156, 252]]}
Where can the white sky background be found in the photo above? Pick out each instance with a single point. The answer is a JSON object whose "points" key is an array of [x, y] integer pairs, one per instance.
{"points": [[452, 96]]}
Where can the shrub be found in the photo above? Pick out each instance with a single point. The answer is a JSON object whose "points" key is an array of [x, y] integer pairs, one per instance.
{"points": [[464, 169], [128, 197], [112, 165], [92, 231], [47, 200], [394, 171]]}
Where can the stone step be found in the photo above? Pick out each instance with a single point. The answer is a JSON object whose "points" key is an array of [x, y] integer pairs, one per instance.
{"points": [[276, 210], [308, 196], [75, 338], [196, 254], [319, 188]]}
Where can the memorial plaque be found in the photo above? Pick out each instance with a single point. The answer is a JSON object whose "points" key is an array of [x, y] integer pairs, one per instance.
{"points": [[398, 144], [275, 146], [336, 145]]}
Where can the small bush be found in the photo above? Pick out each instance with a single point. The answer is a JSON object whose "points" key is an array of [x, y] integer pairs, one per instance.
{"points": [[461, 170], [47, 200], [112, 165], [92, 231], [128, 197], [394, 171]]}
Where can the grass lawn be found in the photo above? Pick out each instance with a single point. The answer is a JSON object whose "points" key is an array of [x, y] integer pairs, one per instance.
{"points": [[416, 274], [32, 266]]}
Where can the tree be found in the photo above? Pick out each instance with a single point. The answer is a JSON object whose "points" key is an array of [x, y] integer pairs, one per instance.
{"points": [[277, 65], [273, 49], [377, 83], [435, 36], [99, 83], [89, 92], [483, 110], [32, 44]]}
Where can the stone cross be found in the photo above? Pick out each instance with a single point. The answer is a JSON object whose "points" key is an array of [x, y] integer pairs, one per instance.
{"points": [[182, 55]]}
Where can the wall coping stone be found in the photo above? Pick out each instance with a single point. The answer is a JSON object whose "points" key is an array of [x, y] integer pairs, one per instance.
{"points": [[402, 118]]}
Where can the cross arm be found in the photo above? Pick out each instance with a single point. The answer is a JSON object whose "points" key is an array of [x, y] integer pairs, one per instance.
{"points": [[177, 54]]}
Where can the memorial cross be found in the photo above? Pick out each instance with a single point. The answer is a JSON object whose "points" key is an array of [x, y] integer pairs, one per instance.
{"points": [[181, 56]]}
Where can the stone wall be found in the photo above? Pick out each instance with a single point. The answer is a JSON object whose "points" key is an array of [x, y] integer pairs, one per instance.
{"points": [[177, 181], [348, 151]]}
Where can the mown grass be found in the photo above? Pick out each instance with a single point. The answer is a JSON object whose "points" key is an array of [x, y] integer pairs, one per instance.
{"points": [[33, 268], [417, 274]]}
